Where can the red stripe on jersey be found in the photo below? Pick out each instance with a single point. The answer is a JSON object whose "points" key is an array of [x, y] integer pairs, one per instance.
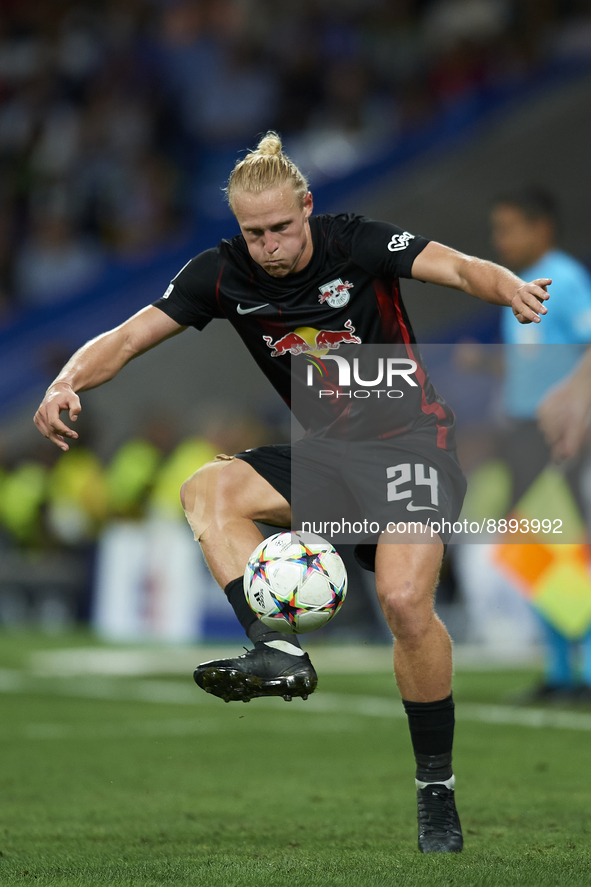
{"points": [[433, 408], [390, 322], [403, 327], [389, 307]]}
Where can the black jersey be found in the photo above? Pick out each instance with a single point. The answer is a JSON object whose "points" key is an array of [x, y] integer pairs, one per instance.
{"points": [[347, 295]]}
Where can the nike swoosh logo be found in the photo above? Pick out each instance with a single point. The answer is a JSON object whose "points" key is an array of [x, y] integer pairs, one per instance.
{"points": [[411, 507], [249, 310]]}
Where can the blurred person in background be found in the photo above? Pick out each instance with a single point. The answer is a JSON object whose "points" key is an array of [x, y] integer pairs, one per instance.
{"points": [[564, 413], [149, 573], [525, 235], [24, 484], [50, 512], [54, 263]]}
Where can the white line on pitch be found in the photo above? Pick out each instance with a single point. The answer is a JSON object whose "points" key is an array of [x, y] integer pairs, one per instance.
{"points": [[177, 693]]}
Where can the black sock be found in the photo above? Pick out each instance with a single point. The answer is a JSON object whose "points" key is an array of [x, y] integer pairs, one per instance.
{"points": [[431, 727], [256, 631]]}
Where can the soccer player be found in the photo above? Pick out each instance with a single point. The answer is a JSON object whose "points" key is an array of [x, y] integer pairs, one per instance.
{"points": [[286, 274]]}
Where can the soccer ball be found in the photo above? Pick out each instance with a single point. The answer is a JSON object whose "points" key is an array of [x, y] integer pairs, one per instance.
{"points": [[295, 582]]}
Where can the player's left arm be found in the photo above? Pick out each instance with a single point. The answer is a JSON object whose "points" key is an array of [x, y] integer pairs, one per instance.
{"points": [[492, 283]]}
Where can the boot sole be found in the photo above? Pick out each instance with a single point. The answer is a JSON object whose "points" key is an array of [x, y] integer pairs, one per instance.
{"points": [[235, 686], [435, 845]]}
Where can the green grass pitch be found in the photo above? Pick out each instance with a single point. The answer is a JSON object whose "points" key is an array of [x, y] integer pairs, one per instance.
{"points": [[127, 781]]}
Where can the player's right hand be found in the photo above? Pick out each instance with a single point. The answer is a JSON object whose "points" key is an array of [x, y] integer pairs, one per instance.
{"points": [[60, 396], [528, 301]]}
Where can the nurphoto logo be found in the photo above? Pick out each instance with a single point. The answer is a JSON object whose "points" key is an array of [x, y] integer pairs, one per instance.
{"points": [[388, 370]]}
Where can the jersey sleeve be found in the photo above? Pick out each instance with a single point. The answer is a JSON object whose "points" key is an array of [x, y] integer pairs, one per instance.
{"points": [[381, 248], [191, 296]]}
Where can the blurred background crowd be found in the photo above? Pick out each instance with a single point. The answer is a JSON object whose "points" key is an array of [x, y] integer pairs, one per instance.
{"points": [[57, 515], [119, 119]]}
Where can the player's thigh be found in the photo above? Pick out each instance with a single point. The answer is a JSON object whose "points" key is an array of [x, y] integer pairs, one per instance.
{"points": [[230, 488]]}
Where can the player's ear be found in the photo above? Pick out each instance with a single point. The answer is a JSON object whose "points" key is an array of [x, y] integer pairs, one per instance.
{"points": [[308, 204]]}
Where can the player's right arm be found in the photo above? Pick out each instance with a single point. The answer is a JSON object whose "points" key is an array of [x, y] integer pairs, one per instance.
{"points": [[389, 252], [485, 280], [97, 362]]}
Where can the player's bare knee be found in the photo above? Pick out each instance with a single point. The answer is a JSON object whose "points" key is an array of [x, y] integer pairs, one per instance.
{"points": [[408, 614], [199, 495]]}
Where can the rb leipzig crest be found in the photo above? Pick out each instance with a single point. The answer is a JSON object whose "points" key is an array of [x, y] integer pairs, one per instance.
{"points": [[336, 293]]}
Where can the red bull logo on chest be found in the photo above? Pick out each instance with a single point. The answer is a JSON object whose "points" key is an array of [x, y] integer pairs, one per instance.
{"points": [[308, 340]]}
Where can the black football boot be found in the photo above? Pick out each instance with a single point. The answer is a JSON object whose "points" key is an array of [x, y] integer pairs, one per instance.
{"points": [[264, 671], [439, 824]]}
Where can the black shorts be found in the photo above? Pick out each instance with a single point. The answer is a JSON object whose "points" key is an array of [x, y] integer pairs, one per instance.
{"points": [[354, 492]]}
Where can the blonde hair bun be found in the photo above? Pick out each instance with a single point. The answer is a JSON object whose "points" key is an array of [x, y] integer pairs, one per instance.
{"points": [[264, 168], [270, 145]]}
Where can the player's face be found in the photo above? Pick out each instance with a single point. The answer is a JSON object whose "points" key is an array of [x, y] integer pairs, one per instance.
{"points": [[519, 241], [276, 229]]}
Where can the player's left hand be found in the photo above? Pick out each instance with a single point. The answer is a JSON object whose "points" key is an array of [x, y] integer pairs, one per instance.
{"points": [[528, 301]]}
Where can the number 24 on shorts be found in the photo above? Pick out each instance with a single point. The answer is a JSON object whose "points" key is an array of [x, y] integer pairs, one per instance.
{"points": [[402, 474]]}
